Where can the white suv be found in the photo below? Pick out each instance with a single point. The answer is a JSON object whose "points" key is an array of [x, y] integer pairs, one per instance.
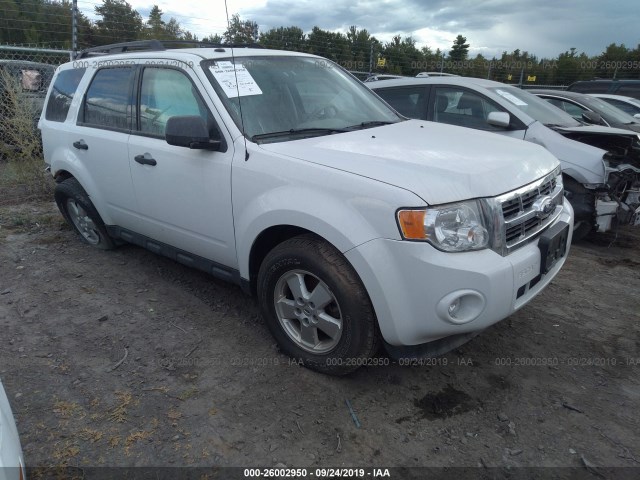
{"points": [[281, 172]]}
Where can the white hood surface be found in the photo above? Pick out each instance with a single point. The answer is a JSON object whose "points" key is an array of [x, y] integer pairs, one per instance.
{"points": [[440, 163]]}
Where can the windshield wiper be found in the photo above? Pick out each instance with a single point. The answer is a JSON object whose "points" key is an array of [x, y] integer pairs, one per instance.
{"points": [[298, 131], [370, 124]]}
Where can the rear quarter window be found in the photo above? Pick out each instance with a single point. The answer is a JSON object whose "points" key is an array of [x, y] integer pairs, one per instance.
{"points": [[62, 93]]}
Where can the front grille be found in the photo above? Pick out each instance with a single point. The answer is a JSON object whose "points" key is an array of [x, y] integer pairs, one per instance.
{"points": [[528, 211]]}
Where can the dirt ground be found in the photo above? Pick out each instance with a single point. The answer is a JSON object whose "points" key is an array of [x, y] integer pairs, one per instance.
{"points": [[124, 358]]}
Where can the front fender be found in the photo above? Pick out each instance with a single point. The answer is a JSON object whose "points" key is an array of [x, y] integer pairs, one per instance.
{"points": [[343, 224]]}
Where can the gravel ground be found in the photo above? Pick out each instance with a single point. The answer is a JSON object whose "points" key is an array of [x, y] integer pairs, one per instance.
{"points": [[124, 358]]}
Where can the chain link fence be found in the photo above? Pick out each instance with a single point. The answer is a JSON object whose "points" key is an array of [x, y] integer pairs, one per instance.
{"points": [[25, 75]]}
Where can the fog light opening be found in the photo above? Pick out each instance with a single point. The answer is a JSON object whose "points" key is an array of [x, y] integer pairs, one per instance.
{"points": [[462, 306]]}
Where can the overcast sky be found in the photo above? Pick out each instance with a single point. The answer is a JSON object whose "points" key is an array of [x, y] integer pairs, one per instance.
{"points": [[543, 27]]}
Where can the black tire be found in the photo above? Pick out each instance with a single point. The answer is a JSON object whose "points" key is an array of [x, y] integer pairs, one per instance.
{"points": [[85, 220], [357, 339], [583, 203]]}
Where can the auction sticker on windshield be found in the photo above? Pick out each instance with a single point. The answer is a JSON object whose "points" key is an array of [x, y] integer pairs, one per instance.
{"points": [[235, 81], [512, 98]]}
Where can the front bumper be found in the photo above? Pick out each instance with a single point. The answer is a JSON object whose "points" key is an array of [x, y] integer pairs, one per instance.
{"points": [[412, 284]]}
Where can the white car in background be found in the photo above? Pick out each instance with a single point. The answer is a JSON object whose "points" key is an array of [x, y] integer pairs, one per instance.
{"points": [[600, 165], [11, 459], [629, 105]]}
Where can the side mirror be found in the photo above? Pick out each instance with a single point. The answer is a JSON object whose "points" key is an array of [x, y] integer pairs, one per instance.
{"points": [[499, 119], [189, 131], [592, 117], [637, 115]]}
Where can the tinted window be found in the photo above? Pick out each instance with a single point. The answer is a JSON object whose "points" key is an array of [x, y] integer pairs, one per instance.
{"points": [[590, 87], [406, 100], [107, 100], [457, 106], [632, 90], [624, 106], [62, 92], [166, 93]]}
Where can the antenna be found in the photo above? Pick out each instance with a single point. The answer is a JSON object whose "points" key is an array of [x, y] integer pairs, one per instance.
{"points": [[235, 73]]}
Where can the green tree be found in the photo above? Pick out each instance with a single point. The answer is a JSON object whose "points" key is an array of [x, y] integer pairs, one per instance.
{"points": [[155, 26], [460, 49], [119, 22], [240, 31], [284, 38]]}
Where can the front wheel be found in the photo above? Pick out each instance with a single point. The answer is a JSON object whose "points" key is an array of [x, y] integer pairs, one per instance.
{"points": [[316, 306]]}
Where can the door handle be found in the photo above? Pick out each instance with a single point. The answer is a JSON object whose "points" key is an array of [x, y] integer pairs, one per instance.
{"points": [[81, 145], [145, 159]]}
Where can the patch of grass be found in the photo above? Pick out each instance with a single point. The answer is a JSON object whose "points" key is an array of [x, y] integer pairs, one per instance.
{"points": [[119, 413], [66, 409], [134, 438], [191, 392], [90, 435]]}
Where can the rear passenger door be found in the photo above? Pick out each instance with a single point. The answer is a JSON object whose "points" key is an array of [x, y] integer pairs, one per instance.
{"points": [[183, 195], [99, 142]]}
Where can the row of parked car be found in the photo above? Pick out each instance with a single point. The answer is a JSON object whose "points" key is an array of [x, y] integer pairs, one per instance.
{"points": [[596, 142]]}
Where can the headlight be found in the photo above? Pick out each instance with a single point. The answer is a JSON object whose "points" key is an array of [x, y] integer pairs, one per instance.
{"points": [[456, 227]]}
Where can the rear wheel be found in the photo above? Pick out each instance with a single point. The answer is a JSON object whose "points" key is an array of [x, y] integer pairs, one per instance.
{"points": [[77, 209], [316, 306]]}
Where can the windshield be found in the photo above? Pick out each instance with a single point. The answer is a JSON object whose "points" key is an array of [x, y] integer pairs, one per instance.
{"points": [[535, 107], [289, 97], [611, 113]]}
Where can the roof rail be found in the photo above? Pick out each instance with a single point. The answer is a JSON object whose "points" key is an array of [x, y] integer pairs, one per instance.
{"points": [[156, 45]]}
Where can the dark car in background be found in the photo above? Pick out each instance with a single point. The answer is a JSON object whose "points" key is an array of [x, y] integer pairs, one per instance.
{"points": [[23, 87], [630, 88], [589, 109]]}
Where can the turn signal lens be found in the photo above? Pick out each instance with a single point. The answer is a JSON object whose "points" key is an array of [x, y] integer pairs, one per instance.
{"points": [[412, 224]]}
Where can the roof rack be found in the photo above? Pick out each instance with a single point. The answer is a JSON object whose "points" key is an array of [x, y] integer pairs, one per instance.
{"points": [[156, 46]]}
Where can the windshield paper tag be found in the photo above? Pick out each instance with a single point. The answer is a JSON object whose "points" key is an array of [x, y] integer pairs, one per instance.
{"points": [[226, 76], [512, 98]]}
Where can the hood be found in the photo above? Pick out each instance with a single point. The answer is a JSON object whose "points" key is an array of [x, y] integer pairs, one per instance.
{"points": [[595, 130], [440, 163], [622, 146], [579, 160]]}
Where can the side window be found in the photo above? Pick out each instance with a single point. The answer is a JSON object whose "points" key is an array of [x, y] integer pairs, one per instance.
{"points": [[457, 106], [62, 92], [409, 101], [624, 106], [107, 103], [167, 93], [632, 90], [572, 109]]}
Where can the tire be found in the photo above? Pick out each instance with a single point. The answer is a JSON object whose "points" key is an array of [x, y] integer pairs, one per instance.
{"points": [[583, 203], [316, 307], [75, 206]]}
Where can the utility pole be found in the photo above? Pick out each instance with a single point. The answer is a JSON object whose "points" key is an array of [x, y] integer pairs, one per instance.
{"points": [[371, 59], [74, 29]]}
